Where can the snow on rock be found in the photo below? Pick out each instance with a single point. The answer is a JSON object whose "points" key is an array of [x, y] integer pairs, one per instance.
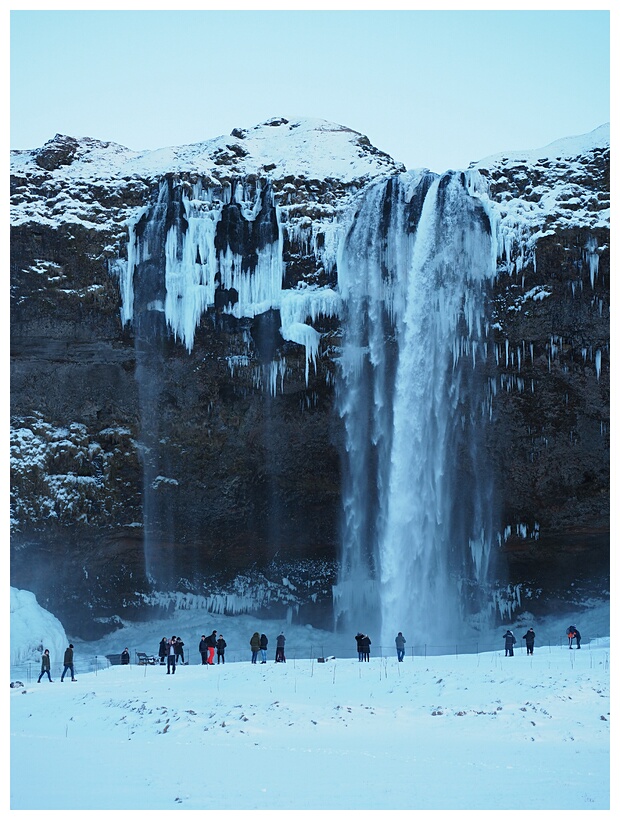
{"points": [[34, 629]]}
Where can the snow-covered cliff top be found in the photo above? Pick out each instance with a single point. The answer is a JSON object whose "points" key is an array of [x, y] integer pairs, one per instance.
{"points": [[313, 148], [566, 148]]}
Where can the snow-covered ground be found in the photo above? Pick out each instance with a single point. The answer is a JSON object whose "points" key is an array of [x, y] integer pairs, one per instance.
{"points": [[453, 731]]}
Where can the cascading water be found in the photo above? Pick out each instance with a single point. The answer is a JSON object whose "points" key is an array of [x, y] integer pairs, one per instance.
{"points": [[417, 495]]}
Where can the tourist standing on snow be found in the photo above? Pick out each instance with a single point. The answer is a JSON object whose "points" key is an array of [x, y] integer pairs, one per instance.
{"points": [[280, 641], [221, 646], [45, 666], [163, 650], [400, 646], [509, 643], [263, 647], [178, 650], [529, 641], [172, 658], [255, 646], [203, 648], [68, 663], [573, 635], [211, 643], [365, 644], [360, 651], [125, 656]]}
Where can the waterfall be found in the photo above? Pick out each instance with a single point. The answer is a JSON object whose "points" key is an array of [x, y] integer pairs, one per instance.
{"points": [[417, 493]]}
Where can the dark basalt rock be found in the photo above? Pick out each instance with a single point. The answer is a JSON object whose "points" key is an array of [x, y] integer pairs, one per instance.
{"points": [[248, 478]]}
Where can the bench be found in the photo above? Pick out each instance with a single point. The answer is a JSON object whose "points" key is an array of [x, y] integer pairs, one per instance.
{"points": [[144, 659]]}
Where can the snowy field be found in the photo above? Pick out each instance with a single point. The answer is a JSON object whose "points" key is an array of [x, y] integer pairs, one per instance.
{"points": [[458, 731]]}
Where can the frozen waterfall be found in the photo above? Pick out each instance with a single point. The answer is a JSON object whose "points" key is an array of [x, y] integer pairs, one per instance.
{"points": [[417, 494]]}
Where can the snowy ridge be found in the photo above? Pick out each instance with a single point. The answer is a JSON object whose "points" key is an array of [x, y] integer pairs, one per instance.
{"points": [[541, 191]]}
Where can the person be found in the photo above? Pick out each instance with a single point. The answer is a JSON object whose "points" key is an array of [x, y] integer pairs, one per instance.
{"points": [[125, 656], [172, 658], [529, 641], [573, 635], [255, 646], [263, 647], [211, 644], [178, 651], [45, 666], [365, 644], [400, 646], [360, 651], [68, 663], [280, 641], [221, 646], [163, 650], [203, 648], [509, 643]]}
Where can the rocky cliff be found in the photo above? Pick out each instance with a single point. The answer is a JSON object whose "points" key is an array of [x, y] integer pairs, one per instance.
{"points": [[175, 435]]}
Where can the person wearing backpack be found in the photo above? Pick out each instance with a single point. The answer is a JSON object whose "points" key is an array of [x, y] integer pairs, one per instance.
{"points": [[509, 643]]}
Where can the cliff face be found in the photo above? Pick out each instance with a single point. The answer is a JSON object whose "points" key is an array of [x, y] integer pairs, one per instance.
{"points": [[182, 436]]}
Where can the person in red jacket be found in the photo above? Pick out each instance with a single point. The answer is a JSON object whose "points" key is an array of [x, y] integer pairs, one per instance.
{"points": [[211, 644]]}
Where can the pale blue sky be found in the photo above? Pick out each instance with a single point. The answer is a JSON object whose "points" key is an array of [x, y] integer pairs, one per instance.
{"points": [[433, 89]]}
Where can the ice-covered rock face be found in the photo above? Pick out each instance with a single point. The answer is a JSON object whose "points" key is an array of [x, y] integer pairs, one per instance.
{"points": [[177, 321]]}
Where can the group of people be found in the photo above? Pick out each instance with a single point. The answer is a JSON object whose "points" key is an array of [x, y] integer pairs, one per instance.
{"points": [[259, 643], [67, 665], [363, 646], [207, 647], [572, 633], [171, 653]]}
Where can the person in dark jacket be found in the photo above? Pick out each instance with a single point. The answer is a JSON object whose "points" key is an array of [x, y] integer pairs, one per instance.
{"points": [[178, 650], [573, 635], [125, 656], [221, 646], [509, 643], [68, 663], [400, 642], [203, 649], [529, 641], [211, 643], [365, 644], [263, 647], [280, 641], [163, 650], [358, 641], [255, 646], [45, 666], [171, 656]]}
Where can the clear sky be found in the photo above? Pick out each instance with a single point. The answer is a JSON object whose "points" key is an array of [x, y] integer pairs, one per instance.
{"points": [[434, 89]]}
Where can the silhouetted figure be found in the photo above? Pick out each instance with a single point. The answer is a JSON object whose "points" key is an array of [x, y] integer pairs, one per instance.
{"points": [[365, 644], [68, 663], [163, 650], [280, 641], [178, 650], [211, 643], [573, 635], [529, 641], [45, 666], [125, 656], [360, 651], [203, 649], [509, 643], [263, 647], [400, 646], [171, 656], [221, 646], [255, 646]]}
